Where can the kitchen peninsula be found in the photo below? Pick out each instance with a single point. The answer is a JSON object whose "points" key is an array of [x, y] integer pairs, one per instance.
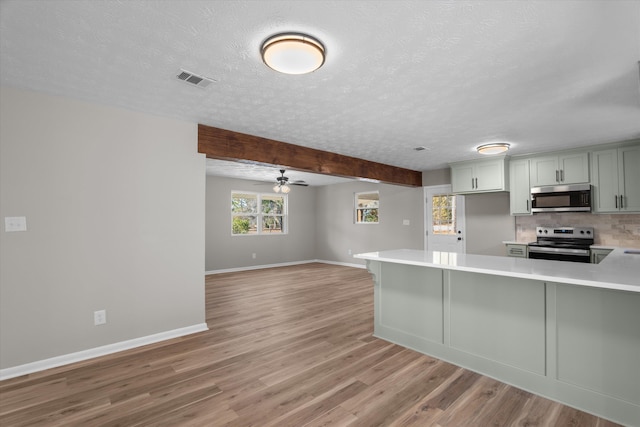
{"points": [[567, 331]]}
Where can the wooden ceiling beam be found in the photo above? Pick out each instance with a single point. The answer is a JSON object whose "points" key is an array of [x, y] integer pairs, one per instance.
{"points": [[224, 144]]}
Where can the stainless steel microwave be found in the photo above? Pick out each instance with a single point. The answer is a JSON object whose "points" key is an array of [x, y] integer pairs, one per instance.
{"points": [[561, 198]]}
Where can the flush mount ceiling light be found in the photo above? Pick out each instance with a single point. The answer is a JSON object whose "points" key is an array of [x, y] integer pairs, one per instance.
{"points": [[494, 148], [293, 53]]}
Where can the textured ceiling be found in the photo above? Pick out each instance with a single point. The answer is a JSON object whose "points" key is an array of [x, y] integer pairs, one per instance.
{"points": [[447, 75]]}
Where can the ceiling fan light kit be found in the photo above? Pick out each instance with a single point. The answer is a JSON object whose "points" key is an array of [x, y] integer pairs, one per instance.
{"points": [[282, 186], [293, 53]]}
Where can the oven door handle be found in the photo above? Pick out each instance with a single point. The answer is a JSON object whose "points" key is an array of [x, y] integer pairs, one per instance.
{"points": [[547, 250]]}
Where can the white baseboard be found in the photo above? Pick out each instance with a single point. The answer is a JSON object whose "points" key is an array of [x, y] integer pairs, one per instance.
{"points": [[79, 356], [344, 264], [282, 264], [257, 267]]}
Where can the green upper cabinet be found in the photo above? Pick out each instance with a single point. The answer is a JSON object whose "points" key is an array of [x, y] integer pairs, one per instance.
{"points": [[570, 168], [616, 180], [480, 176], [520, 189]]}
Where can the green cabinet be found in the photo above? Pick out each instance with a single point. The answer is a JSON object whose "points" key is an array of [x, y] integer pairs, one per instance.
{"points": [[518, 250], [599, 254], [498, 318], [480, 176], [569, 168], [519, 187], [598, 341], [616, 180]]}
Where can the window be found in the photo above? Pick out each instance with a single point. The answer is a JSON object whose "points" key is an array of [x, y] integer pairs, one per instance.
{"points": [[253, 213], [443, 214], [367, 207]]}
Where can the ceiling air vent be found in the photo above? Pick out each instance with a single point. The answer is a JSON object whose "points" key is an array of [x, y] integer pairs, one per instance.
{"points": [[194, 79]]}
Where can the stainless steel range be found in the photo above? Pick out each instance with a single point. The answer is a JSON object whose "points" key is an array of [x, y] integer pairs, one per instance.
{"points": [[562, 244]]}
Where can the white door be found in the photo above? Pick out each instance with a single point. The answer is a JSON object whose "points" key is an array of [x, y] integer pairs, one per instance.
{"points": [[444, 220]]}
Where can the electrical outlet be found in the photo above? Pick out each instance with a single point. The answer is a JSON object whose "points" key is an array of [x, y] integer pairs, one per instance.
{"points": [[253, 255], [99, 317]]}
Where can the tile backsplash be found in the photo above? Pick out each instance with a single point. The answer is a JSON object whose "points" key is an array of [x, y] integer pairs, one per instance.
{"points": [[621, 230]]}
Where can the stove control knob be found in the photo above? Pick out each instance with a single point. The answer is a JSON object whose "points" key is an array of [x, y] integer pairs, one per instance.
{"points": [[581, 231], [588, 232], [546, 231]]}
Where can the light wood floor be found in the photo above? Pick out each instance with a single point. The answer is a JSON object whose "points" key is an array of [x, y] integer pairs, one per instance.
{"points": [[289, 346]]}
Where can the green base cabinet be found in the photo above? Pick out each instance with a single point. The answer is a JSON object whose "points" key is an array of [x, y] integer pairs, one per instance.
{"points": [[517, 250], [598, 336], [574, 344], [597, 255]]}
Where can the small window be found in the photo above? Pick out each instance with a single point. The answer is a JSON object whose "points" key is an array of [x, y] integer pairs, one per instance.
{"points": [[367, 207], [444, 214], [254, 214]]}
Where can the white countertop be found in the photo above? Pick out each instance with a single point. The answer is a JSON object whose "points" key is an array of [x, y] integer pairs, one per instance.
{"points": [[618, 270], [602, 247]]}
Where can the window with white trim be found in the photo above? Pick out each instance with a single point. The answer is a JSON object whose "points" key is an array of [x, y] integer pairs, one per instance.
{"points": [[367, 207], [258, 214]]}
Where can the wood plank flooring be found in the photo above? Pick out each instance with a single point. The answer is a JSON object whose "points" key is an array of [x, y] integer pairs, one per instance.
{"points": [[288, 346]]}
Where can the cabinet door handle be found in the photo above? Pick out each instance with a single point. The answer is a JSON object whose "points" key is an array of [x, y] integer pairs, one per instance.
{"points": [[561, 175], [476, 183], [527, 206], [475, 187], [621, 202], [557, 180], [616, 198]]}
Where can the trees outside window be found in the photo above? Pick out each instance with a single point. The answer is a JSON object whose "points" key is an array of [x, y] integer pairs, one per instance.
{"points": [[367, 208], [443, 214], [255, 213]]}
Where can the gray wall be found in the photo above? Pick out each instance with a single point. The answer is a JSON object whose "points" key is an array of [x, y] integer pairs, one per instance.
{"points": [[224, 251], [488, 223], [337, 232], [114, 202], [436, 177], [322, 225]]}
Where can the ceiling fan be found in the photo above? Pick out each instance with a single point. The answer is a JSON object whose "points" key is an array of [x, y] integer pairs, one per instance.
{"points": [[282, 184]]}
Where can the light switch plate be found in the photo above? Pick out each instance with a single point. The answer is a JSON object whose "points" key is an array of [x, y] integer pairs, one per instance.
{"points": [[15, 223]]}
